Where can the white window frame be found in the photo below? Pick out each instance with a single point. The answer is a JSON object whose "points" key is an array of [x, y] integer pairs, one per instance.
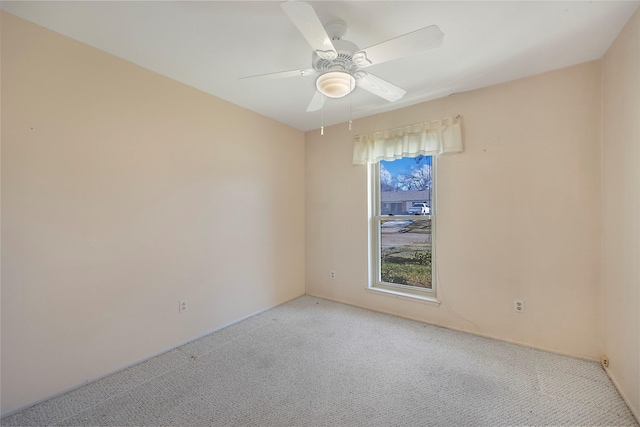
{"points": [[395, 289]]}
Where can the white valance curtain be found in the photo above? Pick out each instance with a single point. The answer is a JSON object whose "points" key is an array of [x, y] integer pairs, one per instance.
{"points": [[429, 138]]}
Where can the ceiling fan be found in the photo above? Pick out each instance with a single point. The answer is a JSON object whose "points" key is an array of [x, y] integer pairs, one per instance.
{"points": [[340, 63]]}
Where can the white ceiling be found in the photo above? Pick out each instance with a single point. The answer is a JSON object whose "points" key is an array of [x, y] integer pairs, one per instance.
{"points": [[210, 45]]}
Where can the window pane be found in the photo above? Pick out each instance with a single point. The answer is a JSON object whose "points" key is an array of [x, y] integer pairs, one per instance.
{"points": [[405, 252], [406, 186]]}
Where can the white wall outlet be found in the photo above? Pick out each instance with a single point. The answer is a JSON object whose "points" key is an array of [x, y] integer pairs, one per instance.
{"points": [[183, 307], [332, 275], [518, 306]]}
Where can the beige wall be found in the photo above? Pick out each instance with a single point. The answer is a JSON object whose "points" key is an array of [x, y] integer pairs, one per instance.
{"points": [[518, 213], [124, 192], [621, 210]]}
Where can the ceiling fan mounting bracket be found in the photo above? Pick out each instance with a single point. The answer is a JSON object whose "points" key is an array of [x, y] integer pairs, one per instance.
{"points": [[336, 29]]}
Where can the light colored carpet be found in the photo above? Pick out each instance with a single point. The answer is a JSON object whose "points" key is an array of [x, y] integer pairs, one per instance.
{"points": [[313, 362]]}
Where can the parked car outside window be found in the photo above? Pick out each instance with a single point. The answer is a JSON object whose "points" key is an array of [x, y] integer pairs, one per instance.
{"points": [[419, 208]]}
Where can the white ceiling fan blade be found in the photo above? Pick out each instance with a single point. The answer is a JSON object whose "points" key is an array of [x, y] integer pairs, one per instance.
{"points": [[316, 102], [305, 19], [282, 74], [408, 44], [378, 86]]}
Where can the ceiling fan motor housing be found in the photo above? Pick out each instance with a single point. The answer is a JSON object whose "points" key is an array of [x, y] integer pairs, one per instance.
{"points": [[344, 60]]}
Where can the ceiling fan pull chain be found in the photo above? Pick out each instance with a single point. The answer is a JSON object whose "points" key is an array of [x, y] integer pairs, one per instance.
{"points": [[350, 96], [322, 117]]}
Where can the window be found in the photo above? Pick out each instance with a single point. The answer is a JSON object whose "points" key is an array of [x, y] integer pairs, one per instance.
{"points": [[402, 226], [402, 214]]}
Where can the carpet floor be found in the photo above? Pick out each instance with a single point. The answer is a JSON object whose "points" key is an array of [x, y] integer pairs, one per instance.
{"points": [[313, 362]]}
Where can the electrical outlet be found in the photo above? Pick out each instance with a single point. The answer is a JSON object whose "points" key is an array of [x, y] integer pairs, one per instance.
{"points": [[332, 275], [518, 306], [182, 307]]}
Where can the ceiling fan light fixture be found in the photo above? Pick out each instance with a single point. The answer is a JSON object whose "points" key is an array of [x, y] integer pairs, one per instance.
{"points": [[336, 84]]}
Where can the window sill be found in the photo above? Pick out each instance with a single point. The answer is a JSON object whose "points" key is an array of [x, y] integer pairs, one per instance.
{"points": [[428, 299]]}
